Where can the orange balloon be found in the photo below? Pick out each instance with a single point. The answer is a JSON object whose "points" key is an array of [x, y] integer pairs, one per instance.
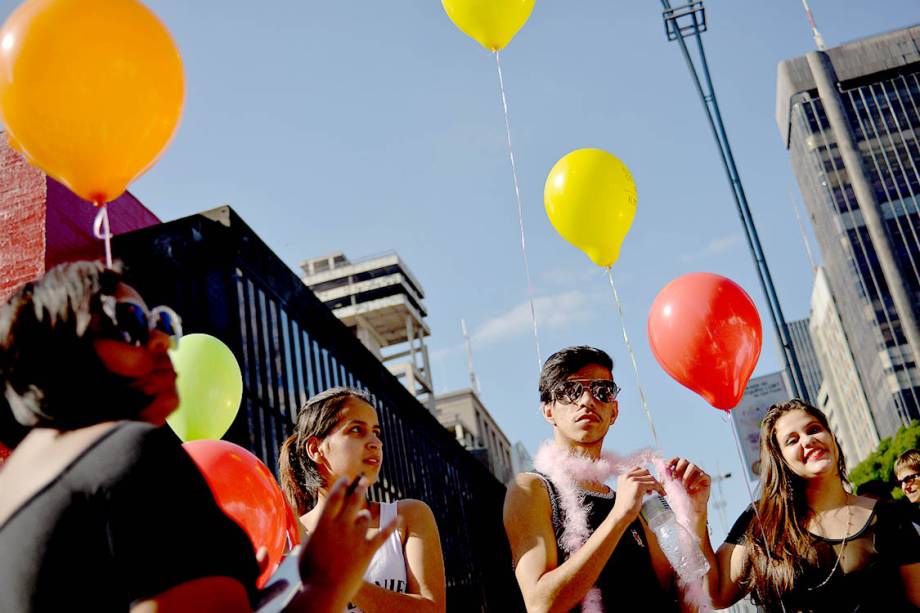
{"points": [[91, 91]]}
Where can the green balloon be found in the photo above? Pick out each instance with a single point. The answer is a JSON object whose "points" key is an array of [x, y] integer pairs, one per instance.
{"points": [[210, 388]]}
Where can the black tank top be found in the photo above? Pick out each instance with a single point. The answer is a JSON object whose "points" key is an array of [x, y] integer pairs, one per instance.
{"points": [[628, 579]]}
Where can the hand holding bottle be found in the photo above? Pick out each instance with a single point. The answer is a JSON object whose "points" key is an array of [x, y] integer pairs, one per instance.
{"points": [[632, 486], [697, 484]]}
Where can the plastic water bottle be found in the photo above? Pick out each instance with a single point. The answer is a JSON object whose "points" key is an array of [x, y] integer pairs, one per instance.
{"points": [[690, 563]]}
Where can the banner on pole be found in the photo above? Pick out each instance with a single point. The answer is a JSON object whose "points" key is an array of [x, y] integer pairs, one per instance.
{"points": [[759, 395]]}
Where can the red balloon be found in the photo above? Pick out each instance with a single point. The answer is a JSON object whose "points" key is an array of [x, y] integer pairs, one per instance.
{"points": [[248, 493], [705, 332]]}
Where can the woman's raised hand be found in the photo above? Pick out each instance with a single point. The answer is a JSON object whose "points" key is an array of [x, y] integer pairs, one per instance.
{"points": [[337, 553], [695, 481]]}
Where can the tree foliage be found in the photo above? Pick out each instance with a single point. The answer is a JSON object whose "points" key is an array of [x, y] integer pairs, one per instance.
{"points": [[879, 465]]}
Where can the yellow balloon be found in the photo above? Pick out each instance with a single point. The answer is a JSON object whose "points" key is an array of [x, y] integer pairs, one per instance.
{"points": [[90, 90], [590, 199], [492, 23]]}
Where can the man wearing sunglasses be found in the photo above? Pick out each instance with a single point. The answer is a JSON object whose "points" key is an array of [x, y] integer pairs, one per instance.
{"points": [[618, 560], [907, 472]]}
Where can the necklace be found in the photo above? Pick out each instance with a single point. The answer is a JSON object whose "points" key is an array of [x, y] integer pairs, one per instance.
{"points": [[843, 546]]}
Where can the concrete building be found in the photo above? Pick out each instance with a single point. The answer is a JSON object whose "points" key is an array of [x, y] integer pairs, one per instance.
{"points": [[841, 396], [849, 118], [381, 302], [805, 352], [463, 413]]}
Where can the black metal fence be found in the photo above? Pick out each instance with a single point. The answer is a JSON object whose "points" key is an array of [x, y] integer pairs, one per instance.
{"points": [[224, 281]]}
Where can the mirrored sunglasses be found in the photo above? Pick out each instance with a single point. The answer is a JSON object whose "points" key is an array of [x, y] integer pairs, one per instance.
{"points": [[603, 390]]}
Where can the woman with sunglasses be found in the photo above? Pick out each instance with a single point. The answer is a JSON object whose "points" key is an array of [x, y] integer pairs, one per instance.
{"points": [[101, 510], [338, 435], [576, 542], [809, 544]]}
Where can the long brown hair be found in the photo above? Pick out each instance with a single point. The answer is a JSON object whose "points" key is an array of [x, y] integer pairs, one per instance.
{"points": [[777, 542], [299, 475]]}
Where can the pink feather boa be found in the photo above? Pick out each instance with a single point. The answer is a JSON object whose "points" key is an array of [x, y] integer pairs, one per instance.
{"points": [[565, 470]]}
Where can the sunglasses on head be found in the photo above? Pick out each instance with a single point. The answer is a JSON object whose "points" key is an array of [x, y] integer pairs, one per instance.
{"points": [[603, 390], [908, 479], [131, 323]]}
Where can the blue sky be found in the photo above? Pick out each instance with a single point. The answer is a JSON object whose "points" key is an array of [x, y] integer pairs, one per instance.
{"points": [[370, 126]]}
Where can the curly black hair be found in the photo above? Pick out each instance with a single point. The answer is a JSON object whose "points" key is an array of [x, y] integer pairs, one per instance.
{"points": [[51, 374]]}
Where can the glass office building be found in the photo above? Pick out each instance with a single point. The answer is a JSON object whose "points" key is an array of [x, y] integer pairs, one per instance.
{"points": [[875, 89]]}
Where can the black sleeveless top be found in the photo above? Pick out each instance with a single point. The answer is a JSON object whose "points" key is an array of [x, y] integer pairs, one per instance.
{"points": [[129, 518], [867, 578], [628, 572]]}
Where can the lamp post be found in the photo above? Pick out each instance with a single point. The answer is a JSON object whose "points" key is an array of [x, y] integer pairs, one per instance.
{"points": [[689, 21], [719, 503]]}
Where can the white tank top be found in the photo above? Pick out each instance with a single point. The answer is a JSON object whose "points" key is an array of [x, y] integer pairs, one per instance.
{"points": [[388, 566]]}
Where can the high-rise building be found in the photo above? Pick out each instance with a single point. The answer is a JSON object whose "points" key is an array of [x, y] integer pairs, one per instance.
{"points": [[381, 302], [841, 395], [830, 376], [849, 117], [805, 352]]}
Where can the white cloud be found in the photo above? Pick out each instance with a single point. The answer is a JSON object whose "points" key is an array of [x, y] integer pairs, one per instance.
{"points": [[442, 353], [567, 275], [716, 246], [553, 312]]}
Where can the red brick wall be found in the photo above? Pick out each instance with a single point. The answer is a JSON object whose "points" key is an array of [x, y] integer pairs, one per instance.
{"points": [[69, 224], [43, 224], [22, 220]]}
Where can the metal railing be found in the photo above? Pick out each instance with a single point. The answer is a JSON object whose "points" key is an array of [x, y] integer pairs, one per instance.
{"points": [[224, 281]]}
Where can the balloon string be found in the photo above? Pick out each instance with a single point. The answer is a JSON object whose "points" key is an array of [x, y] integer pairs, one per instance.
{"points": [[632, 356], [520, 210], [103, 232], [747, 483]]}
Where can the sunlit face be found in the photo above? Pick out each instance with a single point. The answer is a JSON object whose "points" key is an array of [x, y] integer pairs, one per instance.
{"points": [[909, 480], [586, 420], [808, 448], [148, 366], [353, 447]]}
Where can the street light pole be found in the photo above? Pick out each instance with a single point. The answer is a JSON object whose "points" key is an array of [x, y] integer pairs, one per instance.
{"points": [[690, 21], [719, 503]]}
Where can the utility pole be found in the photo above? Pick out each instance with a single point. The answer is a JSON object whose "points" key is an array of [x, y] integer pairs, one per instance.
{"points": [[819, 40], [719, 503], [689, 21], [474, 380]]}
